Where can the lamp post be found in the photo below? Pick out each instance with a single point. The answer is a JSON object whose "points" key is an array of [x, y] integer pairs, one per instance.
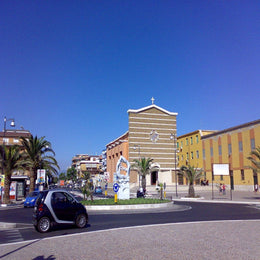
{"points": [[173, 137], [3, 150], [135, 147]]}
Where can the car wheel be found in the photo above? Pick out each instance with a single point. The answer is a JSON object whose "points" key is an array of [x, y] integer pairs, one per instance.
{"points": [[81, 220], [43, 225]]}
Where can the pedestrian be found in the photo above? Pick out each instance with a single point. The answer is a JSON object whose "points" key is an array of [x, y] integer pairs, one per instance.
{"points": [[220, 188], [224, 189]]}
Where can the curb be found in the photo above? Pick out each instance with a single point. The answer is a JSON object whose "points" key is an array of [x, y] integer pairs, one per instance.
{"points": [[122, 207], [216, 201]]}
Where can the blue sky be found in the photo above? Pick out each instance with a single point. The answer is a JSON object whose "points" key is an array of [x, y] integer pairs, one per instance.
{"points": [[70, 70]]}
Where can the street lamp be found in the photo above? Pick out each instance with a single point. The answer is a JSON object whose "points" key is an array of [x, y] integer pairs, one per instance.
{"points": [[173, 137], [135, 147], [3, 150]]}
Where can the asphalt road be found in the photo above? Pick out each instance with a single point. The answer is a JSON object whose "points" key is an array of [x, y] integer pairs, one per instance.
{"points": [[188, 212]]}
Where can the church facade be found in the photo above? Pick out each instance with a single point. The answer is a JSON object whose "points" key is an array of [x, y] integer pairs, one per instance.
{"points": [[152, 133]]}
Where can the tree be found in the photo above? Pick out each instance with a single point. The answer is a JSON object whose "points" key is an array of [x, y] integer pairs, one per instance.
{"points": [[192, 174], [72, 174], [38, 154], [63, 176], [11, 161], [143, 166], [255, 159], [87, 189]]}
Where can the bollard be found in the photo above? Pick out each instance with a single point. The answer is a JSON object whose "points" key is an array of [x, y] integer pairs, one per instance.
{"points": [[115, 200]]}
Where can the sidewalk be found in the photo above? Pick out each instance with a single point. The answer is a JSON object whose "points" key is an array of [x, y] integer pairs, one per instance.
{"points": [[205, 194]]}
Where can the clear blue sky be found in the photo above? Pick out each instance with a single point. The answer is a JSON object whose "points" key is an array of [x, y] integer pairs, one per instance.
{"points": [[70, 70]]}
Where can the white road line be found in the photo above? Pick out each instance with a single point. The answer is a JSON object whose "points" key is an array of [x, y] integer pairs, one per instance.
{"points": [[135, 227]]}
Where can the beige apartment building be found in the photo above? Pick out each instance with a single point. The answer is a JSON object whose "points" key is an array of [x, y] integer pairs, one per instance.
{"points": [[87, 163], [20, 178]]}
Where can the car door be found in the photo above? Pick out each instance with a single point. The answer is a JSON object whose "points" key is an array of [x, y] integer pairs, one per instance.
{"points": [[64, 206]]}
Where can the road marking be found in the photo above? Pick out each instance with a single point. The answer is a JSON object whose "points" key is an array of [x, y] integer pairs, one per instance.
{"points": [[14, 236], [134, 227]]}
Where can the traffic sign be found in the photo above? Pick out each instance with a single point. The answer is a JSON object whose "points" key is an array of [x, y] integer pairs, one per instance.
{"points": [[116, 187]]}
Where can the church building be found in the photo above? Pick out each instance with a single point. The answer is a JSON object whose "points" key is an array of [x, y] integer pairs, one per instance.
{"points": [[152, 133]]}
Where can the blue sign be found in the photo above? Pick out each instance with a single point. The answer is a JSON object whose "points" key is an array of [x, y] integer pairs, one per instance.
{"points": [[116, 187]]}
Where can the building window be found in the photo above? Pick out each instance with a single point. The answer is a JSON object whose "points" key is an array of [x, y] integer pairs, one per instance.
{"points": [[121, 153], [221, 177], [242, 175], [187, 141], [219, 150], [252, 142], [229, 149], [6, 140], [191, 140], [192, 155], [187, 156], [197, 154], [182, 157], [16, 140], [240, 146], [211, 151], [177, 144], [204, 154], [197, 139]]}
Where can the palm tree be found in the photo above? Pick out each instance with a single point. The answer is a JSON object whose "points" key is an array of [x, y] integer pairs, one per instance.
{"points": [[192, 174], [143, 166], [255, 159], [11, 161], [72, 174], [38, 154]]}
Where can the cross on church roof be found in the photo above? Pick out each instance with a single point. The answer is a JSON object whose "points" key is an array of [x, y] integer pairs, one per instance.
{"points": [[152, 100]]}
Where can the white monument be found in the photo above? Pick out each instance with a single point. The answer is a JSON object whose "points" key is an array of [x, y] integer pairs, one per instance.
{"points": [[122, 180]]}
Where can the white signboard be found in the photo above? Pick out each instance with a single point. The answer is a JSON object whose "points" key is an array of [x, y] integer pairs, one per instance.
{"points": [[221, 169], [41, 176]]}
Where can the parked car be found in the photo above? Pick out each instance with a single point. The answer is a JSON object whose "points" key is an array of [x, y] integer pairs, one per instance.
{"points": [[56, 207], [30, 199], [98, 190]]}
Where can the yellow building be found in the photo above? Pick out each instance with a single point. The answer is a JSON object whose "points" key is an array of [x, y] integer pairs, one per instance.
{"points": [[189, 147], [232, 146]]}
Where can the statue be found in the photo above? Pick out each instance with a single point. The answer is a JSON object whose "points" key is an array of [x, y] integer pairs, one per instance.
{"points": [[123, 180]]}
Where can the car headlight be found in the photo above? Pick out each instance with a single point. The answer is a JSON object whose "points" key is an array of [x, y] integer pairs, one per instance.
{"points": [[33, 200]]}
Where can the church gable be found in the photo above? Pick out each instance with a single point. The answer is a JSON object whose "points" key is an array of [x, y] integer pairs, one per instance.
{"points": [[153, 109]]}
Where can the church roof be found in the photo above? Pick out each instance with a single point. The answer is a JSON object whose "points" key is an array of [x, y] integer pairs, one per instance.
{"points": [[149, 107]]}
